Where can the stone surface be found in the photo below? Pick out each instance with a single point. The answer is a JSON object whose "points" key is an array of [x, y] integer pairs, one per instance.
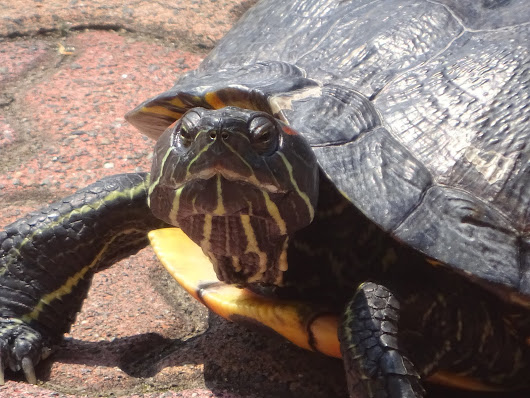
{"points": [[194, 23], [7, 135], [17, 58], [75, 131]]}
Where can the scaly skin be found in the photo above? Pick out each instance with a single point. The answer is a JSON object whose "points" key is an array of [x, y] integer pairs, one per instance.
{"points": [[48, 258]]}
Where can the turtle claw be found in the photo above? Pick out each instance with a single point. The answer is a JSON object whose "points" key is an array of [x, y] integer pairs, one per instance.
{"points": [[29, 370], [21, 348]]}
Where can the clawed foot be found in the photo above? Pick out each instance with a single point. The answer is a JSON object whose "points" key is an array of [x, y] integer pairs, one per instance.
{"points": [[21, 348]]}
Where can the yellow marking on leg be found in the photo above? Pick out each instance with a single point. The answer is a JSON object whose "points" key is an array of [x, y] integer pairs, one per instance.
{"points": [[72, 281], [275, 213], [252, 247], [112, 196], [220, 209], [303, 195]]}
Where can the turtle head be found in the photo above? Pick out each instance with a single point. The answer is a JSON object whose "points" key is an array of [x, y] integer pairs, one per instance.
{"points": [[238, 183]]}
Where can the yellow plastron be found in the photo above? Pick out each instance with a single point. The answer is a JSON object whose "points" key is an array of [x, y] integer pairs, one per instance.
{"points": [[186, 262]]}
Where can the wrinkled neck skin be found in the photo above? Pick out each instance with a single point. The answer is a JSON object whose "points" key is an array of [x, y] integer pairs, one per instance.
{"points": [[243, 249]]}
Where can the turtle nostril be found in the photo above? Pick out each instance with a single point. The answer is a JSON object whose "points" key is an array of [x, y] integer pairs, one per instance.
{"points": [[213, 135], [224, 135]]}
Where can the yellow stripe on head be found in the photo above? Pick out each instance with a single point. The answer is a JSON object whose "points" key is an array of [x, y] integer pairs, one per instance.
{"points": [[303, 195], [275, 213], [252, 179], [202, 151], [161, 169], [220, 209]]}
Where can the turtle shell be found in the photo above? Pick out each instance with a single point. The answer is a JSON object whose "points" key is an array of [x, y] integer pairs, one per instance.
{"points": [[418, 111]]}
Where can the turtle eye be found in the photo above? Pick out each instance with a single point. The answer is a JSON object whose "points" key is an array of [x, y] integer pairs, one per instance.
{"points": [[184, 137], [263, 135], [186, 129]]}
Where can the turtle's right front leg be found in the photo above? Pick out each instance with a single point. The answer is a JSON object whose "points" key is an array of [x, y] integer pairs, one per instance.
{"points": [[48, 258], [375, 365], [462, 337]]}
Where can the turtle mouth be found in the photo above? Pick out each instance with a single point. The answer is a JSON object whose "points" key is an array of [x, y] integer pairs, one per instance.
{"points": [[229, 175]]}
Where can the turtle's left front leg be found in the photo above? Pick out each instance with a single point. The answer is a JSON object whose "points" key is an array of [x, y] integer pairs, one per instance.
{"points": [[375, 366], [48, 259]]}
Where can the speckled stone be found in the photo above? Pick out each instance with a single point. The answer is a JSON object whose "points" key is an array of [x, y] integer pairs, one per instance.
{"points": [[17, 58], [7, 134], [75, 114], [196, 22]]}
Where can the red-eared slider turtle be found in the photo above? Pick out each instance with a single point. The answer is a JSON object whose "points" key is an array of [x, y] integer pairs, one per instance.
{"points": [[364, 157]]}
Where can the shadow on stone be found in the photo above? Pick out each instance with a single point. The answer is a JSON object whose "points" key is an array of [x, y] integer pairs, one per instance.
{"points": [[235, 359]]}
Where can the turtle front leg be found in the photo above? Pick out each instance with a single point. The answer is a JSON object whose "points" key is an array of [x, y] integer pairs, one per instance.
{"points": [[48, 258], [375, 366]]}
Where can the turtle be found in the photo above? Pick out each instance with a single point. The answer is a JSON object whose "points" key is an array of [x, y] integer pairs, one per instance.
{"points": [[364, 158]]}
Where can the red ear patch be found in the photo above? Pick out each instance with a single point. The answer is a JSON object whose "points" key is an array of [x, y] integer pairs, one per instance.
{"points": [[288, 130]]}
